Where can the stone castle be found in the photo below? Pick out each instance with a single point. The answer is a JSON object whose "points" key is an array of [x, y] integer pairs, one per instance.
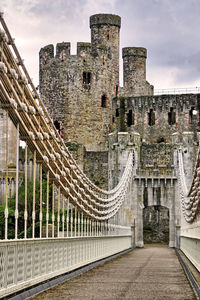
{"points": [[100, 122]]}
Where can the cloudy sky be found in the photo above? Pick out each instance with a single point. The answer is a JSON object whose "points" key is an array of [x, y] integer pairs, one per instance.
{"points": [[169, 29]]}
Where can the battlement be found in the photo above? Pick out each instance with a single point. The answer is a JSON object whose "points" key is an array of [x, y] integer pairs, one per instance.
{"points": [[62, 48], [160, 102], [105, 19], [83, 47], [134, 51], [47, 50]]}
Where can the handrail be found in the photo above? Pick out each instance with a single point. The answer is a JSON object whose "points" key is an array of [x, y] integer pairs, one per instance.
{"points": [[176, 91]]}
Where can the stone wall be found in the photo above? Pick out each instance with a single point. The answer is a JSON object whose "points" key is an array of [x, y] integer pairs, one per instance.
{"points": [[77, 90], [96, 167], [156, 118], [156, 155], [93, 163]]}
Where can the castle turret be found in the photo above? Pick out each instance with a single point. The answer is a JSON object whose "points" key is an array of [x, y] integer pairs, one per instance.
{"points": [[134, 66], [105, 30]]}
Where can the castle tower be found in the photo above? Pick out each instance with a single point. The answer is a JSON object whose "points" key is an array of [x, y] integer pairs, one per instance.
{"points": [[105, 29], [134, 66]]}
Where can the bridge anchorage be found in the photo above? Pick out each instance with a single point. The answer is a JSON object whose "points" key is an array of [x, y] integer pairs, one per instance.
{"points": [[54, 219]]}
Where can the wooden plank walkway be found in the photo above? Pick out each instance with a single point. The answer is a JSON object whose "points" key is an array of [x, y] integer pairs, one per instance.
{"points": [[153, 272]]}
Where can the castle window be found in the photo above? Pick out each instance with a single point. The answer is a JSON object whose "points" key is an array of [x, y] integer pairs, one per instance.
{"points": [[86, 77], [113, 119], [108, 36], [117, 112], [171, 116], [116, 91], [129, 116], [57, 125], [103, 101], [145, 197], [192, 113], [151, 117]]}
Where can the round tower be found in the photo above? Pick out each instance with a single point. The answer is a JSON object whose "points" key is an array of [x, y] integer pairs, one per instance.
{"points": [[134, 67], [105, 30]]}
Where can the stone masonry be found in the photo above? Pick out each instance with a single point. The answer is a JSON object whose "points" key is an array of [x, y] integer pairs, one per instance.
{"points": [[102, 122]]}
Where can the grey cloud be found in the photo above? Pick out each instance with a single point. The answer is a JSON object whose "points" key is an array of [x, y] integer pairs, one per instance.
{"points": [[167, 28]]}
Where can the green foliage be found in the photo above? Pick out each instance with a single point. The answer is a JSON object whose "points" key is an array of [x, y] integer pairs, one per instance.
{"points": [[21, 207]]}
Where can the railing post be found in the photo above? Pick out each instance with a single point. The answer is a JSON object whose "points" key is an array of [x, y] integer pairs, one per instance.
{"points": [[47, 207], [75, 220], [58, 214], [33, 212], [53, 207], [79, 223], [25, 196], [85, 221], [6, 202], [71, 221], [63, 216], [90, 222], [67, 217], [40, 200], [17, 182], [82, 224]]}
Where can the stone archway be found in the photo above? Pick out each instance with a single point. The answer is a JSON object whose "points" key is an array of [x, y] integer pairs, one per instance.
{"points": [[156, 224]]}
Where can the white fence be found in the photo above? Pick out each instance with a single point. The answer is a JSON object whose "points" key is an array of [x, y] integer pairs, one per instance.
{"points": [[24, 263]]}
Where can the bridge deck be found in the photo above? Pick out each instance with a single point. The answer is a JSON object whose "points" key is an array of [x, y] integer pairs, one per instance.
{"points": [[150, 273]]}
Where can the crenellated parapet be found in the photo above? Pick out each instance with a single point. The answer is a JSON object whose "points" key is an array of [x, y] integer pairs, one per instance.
{"points": [[46, 53], [63, 50], [156, 118]]}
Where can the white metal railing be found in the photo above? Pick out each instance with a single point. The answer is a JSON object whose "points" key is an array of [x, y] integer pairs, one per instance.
{"points": [[175, 91], [28, 262]]}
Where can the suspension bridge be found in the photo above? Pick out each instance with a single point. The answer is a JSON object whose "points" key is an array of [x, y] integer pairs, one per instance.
{"points": [[69, 222]]}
